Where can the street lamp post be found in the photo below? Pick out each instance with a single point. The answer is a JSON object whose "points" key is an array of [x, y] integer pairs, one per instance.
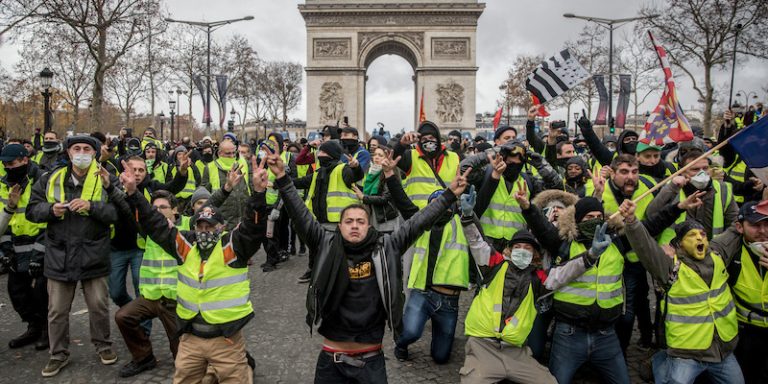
{"points": [[576, 124], [161, 116], [172, 106], [746, 97], [737, 28], [208, 27], [231, 126], [610, 25], [46, 78], [178, 102]]}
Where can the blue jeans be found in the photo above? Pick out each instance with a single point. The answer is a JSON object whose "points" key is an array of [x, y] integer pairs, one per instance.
{"points": [[636, 303], [573, 346], [673, 370], [121, 260], [443, 310]]}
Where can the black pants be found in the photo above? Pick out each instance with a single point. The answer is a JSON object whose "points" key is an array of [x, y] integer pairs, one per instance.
{"points": [[29, 297], [282, 223], [751, 353], [327, 372]]}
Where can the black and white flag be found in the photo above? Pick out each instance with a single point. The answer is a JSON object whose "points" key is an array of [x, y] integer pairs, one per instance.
{"points": [[555, 76]]}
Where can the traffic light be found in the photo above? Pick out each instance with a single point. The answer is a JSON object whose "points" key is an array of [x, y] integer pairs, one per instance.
{"points": [[612, 127]]}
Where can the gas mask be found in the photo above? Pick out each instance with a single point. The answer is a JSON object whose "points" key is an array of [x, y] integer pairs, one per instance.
{"points": [[428, 146], [207, 240]]}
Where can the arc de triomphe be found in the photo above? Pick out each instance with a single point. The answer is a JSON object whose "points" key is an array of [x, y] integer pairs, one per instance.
{"points": [[437, 38]]}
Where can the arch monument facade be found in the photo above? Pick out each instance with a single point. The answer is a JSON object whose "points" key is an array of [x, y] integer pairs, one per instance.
{"points": [[437, 38]]}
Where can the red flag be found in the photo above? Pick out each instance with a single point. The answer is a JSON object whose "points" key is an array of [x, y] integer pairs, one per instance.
{"points": [[667, 123], [497, 118], [542, 110], [422, 115]]}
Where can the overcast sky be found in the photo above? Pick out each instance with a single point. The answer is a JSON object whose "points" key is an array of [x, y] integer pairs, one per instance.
{"points": [[506, 29]]}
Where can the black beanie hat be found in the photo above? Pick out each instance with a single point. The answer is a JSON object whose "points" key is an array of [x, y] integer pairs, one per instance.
{"points": [[332, 148], [586, 205], [525, 237], [683, 228], [429, 128], [500, 131], [578, 161]]}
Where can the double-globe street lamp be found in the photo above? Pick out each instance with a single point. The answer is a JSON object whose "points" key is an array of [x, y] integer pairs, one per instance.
{"points": [[610, 25], [46, 78], [172, 106], [746, 96], [208, 27]]}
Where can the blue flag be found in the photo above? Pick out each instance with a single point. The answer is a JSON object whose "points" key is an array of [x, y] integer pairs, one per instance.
{"points": [[751, 144]]}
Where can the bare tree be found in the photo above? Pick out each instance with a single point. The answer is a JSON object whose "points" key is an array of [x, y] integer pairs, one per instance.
{"points": [[284, 79], [126, 83], [590, 48], [515, 94], [638, 60], [187, 59], [699, 36], [242, 65]]}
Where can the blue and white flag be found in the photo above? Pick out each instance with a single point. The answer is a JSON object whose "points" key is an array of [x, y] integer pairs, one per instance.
{"points": [[751, 144]]}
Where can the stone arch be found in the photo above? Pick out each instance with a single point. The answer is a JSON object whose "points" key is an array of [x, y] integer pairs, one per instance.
{"points": [[390, 45]]}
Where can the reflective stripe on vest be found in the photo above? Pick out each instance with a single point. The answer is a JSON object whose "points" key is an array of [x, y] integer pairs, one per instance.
{"points": [[157, 275], [92, 187], [421, 181], [611, 206], [601, 283], [484, 318], [695, 310], [751, 292], [504, 217], [220, 295], [721, 202], [452, 264], [738, 172], [338, 197]]}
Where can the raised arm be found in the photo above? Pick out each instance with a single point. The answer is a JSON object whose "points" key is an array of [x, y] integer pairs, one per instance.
{"points": [[599, 151]]}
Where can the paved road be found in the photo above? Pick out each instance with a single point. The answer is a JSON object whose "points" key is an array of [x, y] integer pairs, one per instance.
{"points": [[278, 339]]}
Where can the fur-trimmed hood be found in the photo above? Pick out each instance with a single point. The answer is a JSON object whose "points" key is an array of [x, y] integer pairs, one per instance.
{"points": [[545, 197], [566, 224]]}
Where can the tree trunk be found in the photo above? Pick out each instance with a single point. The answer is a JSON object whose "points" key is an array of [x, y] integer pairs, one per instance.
{"points": [[151, 75], [99, 73], [708, 100]]}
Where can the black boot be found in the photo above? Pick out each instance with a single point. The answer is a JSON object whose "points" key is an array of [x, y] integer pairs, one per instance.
{"points": [[42, 343], [28, 337]]}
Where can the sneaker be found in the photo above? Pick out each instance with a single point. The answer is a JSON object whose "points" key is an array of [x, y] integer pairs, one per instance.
{"points": [[283, 257], [401, 354], [108, 356], [54, 366], [306, 277], [28, 337], [135, 367], [266, 267]]}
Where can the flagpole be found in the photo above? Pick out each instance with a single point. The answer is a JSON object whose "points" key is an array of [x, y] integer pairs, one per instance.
{"points": [[681, 170]]}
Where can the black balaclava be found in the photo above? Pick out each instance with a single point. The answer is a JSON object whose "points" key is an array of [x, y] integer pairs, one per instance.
{"points": [[630, 148], [429, 128]]}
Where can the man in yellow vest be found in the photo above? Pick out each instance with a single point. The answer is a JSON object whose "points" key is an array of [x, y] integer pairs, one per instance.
{"points": [[278, 239], [22, 248], [156, 167], [193, 180], [214, 176], [745, 248], [34, 154], [698, 310], [157, 285], [357, 281], [76, 203], [213, 289]]}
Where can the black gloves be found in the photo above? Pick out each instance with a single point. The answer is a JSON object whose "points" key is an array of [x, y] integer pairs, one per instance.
{"points": [[35, 268]]}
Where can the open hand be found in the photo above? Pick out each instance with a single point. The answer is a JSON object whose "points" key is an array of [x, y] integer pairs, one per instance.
{"points": [[128, 179], [184, 163], [409, 138], [13, 197], [260, 178], [389, 165]]}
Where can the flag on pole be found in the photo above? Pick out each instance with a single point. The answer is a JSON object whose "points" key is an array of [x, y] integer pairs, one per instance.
{"points": [[497, 117], [542, 110], [422, 115], [667, 123], [555, 76], [751, 144]]}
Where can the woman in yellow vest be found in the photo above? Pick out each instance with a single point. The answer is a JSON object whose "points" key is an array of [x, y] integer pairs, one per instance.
{"points": [[698, 309], [213, 290]]}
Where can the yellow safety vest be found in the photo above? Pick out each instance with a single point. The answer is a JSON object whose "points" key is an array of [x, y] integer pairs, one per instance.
{"points": [[160, 171], [484, 318], [36, 158], [504, 217], [338, 197], [220, 294], [611, 206], [190, 186], [271, 191], [452, 264], [92, 187], [738, 172], [721, 201], [601, 283], [421, 182], [19, 224], [157, 276], [695, 310], [751, 293]]}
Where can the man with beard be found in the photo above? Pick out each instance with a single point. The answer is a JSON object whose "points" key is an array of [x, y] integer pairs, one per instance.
{"points": [[329, 190], [717, 212], [52, 156], [699, 316], [744, 246], [429, 167], [215, 175], [22, 248]]}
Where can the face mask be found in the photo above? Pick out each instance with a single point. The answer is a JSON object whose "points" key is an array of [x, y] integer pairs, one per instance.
{"points": [[456, 146], [149, 163], [630, 148], [611, 147], [589, 227], [226, 162], [429, 146], [759, 248], [51, 146], [701, 180], [207, 157], [207, 240], [82, 160], [374, 169], [326, 161], [350, 145], [16, 175], [521, 258], [695, 244], [513, 171]]}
